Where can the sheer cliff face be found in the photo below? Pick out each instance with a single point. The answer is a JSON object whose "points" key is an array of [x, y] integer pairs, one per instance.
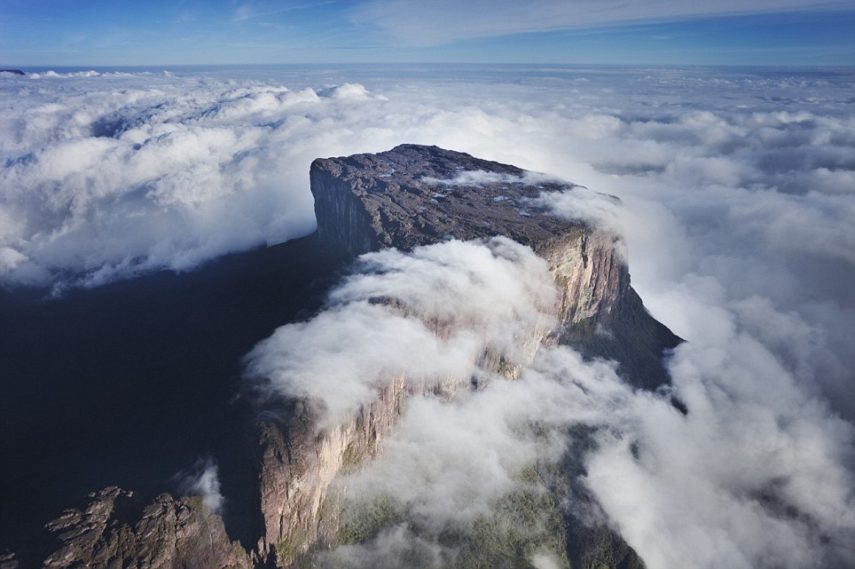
{"points": [[413, 196], [299, 465]]}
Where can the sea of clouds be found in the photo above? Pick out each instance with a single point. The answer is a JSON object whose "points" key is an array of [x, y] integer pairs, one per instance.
{"points": [[737, 196], [756, 474]]}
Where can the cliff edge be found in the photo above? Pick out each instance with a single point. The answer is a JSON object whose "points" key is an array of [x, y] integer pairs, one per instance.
{"points": [[421, 195]]}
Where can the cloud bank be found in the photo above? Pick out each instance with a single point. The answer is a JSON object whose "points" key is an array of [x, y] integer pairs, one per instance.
{"points": [[109, 175], [756, 474], [737, 192]]}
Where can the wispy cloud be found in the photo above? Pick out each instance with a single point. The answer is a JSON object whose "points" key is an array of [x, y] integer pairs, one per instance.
{"points": [[243, 13], [185, 17], [253, 11], [447, 21], [202, 480]]}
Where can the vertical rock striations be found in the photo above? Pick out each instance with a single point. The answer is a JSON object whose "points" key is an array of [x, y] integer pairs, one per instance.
{"points": [[298, 466]]}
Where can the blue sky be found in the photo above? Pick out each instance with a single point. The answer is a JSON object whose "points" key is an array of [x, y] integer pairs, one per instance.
{"points": [[161, 32]]}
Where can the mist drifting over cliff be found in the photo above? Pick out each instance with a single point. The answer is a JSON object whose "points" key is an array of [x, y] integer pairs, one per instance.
{"points": [[737, 193]]}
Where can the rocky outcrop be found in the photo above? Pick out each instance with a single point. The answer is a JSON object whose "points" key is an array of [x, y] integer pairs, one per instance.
{"points": [[117, 529], [298, 465], [417, 195]]}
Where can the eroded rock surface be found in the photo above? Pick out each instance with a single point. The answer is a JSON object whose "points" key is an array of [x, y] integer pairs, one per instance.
{"points": [[117, 529], [299, 465]]}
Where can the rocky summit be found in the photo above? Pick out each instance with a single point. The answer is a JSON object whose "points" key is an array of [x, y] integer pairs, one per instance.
{"points": [[418, 195], [404, 198]]}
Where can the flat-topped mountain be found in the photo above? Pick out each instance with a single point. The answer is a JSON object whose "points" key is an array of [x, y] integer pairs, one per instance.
{"points": [[407, 197], [418, 195], [413, 196]]}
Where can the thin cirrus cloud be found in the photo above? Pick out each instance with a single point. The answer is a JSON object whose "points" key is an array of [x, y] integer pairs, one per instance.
{"points": [[265, 31], [445, 21], [248, 12]]}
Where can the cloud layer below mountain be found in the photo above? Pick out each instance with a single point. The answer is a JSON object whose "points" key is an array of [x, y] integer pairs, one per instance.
{"points": [[756, 474], [737, 192]]}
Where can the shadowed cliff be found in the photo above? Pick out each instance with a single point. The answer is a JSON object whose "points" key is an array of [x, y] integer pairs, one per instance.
{"points": [[130, 383], [158, 362]]}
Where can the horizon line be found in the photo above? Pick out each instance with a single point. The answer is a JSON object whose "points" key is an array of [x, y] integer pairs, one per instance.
{"points": [[23, 67]]}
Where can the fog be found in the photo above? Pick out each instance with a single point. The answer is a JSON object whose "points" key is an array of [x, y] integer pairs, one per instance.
{"points": [[756, 474]]}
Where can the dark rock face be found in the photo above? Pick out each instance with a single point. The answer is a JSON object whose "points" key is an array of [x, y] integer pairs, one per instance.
{"points": [[118, 530]]}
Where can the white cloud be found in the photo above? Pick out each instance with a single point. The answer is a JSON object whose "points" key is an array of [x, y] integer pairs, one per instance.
{"points": [[756, 475], [112, 176], [203, 480], [450, 461], [736, 211], [389, 550], [452, 301]]}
